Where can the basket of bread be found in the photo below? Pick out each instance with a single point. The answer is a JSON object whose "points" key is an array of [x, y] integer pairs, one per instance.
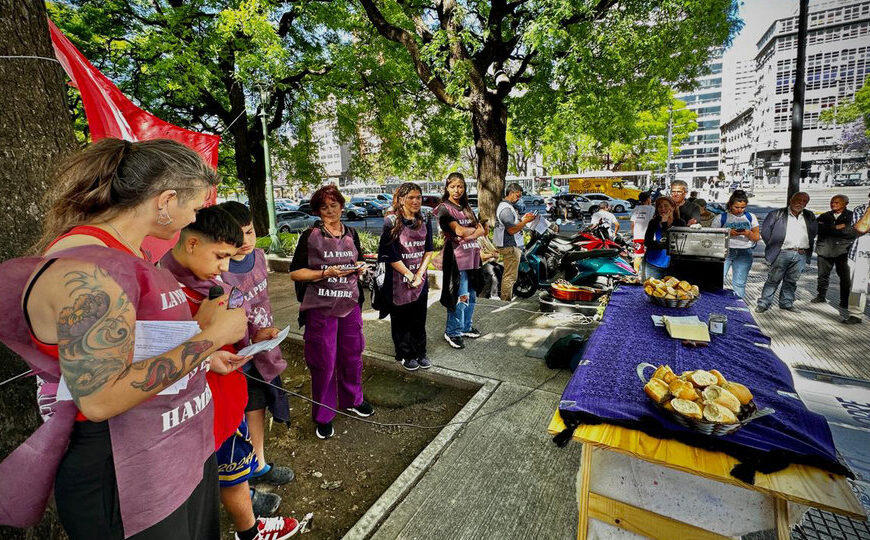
{"points": [[671, 292], [701, 400]]}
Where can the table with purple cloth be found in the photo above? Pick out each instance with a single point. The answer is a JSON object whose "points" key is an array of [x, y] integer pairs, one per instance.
{"points": [[605, 386]]}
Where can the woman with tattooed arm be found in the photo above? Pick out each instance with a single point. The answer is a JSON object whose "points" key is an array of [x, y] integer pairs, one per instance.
{"points": [[127, 445]]}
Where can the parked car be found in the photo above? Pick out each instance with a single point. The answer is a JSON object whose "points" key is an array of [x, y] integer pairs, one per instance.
{"points": [[386, 198], [353, 212], [285, 205], [616, 205], [294, 221], [532, 200], [305, 207], [848, 179], [577, 204], [373, 208], [431, 200]]}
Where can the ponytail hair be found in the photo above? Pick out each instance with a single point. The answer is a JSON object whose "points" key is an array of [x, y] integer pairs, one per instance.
{"points": [[111, 176], [398, 197], [463, 201], [738, 196]]}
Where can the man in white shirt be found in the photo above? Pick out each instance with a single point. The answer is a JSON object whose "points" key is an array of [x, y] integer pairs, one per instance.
{"points": [[640, 216], [789, 234], [605, 218]]}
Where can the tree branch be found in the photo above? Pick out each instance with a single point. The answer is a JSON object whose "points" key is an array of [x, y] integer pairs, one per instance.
{"points": [[597, 13]]}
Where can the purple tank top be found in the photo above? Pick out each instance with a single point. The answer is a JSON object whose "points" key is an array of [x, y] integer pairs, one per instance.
{"points": [[334, 296], [412, 247], [466, 252], [255, 286], [159, 446]]}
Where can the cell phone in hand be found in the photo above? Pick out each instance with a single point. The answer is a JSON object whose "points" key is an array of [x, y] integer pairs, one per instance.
{"points": [[353, 266], [237, 298]]}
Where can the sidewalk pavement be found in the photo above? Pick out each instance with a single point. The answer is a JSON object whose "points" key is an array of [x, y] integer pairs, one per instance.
{"points": [[502, 477]]}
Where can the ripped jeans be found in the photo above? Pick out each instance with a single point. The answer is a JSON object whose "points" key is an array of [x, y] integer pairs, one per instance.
{"points": [[459, 320]]}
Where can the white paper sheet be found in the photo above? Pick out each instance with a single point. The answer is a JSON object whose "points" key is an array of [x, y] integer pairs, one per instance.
{"points": [[267, 345], [540, 224]]}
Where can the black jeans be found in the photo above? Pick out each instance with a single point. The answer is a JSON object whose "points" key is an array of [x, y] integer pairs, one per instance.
{"points": [[841, 263], [408, 326], [86, 493]]}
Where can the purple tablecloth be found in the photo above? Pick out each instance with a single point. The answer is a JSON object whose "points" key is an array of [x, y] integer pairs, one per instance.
{"points": [[605, 388]]}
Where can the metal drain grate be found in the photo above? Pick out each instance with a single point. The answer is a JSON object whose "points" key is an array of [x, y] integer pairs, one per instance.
{"points": [[821, 525]]}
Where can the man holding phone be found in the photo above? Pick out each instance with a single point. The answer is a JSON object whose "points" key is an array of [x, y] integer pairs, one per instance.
{"points": [[508, 237]]}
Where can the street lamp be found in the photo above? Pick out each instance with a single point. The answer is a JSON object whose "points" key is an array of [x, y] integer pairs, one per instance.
{"points": [[274, 244]]}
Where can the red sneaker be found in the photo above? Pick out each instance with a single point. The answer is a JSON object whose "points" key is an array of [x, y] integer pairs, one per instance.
{"points": [[275, 528]]}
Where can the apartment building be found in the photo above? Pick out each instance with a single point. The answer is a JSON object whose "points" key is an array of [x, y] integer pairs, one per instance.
{"points": [[838, 62], [698, 159], [332, 155]]}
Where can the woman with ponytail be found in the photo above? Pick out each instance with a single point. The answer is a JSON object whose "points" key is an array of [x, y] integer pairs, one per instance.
{"points": [[406, 248], [127, 441]]}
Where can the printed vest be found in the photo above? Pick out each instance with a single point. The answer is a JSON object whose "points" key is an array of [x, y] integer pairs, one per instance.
{"points": [[466, 252], [336, 296], [500, 230], [159, 446], [412, 248]]}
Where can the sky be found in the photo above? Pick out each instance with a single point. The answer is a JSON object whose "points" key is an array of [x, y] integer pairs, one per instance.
{"points": [[757, 17]]}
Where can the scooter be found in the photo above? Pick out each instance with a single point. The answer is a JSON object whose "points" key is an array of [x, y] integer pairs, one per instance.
{"points": [[542, 261], [597, 237]]}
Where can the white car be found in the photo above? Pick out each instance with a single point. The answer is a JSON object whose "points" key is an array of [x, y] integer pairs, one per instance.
{"points": [[594, 199]]}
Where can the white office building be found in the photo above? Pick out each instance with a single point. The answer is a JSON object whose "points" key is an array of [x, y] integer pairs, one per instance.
{"points": [[838, 62], [332, 154], [698, 159]]}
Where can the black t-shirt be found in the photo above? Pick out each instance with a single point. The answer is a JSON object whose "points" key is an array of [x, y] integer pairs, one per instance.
{"points": [[445, 218], [689, 211], [300, 256]]}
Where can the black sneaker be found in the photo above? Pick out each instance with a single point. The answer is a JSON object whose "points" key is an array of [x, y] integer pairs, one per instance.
{"points": [[324, 431], [264, 503], [424, 363], [277, 476], [455, 341], [474, 333], [364, 409], [818, 300], [852, 320], [761, 309], [410, 364]]}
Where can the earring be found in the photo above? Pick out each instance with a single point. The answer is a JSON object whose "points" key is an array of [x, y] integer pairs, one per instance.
{"points": [[163, 217]]}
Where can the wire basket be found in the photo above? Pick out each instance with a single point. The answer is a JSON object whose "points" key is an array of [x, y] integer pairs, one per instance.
{"points": [[673, 302], [747, 414]]}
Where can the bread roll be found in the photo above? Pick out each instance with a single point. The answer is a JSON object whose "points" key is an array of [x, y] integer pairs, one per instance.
{"points": [[719, 395], [670, 281], [685, 285], [695, 290], [714, 412], [657, 390], [682, 295], [687, 408], [649, 289], [740, 392], [663, 373], [701, 378], [720, 379], [683, 390], [667, 405], [659, 293]]}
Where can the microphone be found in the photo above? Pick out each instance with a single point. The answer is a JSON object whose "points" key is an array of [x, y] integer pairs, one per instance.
{"points": [[216, 291]]}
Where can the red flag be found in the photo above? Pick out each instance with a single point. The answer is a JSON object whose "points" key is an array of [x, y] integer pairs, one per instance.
{"points": [[111, 114]]}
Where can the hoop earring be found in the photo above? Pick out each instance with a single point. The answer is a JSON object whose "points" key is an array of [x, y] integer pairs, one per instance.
{"points": [[163, 217]]}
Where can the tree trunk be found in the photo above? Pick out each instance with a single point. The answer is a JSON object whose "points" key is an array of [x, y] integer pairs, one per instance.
{"points": [[489, 126], [251, 172], [35, 132]]}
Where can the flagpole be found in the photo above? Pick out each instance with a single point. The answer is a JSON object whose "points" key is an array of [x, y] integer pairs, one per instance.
{"points": [[275, 244]]}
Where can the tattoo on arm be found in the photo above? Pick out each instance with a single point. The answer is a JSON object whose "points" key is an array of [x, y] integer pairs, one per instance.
{"points": [[164, 370], [95, 340]]}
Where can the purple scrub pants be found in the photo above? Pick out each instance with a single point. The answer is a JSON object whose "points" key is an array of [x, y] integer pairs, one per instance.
{"points": [[333, 352]]}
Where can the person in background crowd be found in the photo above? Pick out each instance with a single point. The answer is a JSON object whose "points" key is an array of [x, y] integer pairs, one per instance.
{"points": [[706, 215], [656, 259], [406, 248], [197, 261], [249, 272], [835, 240], [462, 276], [508, 237], [688, 212], [326, 267], [789, 234], [120, 463], [859, 261], [742, 236], [693, 196], [640, 218], [491, 269], [605, 219]]}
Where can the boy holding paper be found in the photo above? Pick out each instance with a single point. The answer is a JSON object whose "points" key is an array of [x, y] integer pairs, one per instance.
{"points": [[202, 253]]}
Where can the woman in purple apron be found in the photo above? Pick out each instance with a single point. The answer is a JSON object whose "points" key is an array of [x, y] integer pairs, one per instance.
{"points": [[128, 443], [462, 278], [248, 272], [326, 266], [406, 249]]}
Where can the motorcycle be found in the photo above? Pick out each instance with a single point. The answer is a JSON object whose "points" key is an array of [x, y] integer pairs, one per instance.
{"points": [[544, 258]]}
